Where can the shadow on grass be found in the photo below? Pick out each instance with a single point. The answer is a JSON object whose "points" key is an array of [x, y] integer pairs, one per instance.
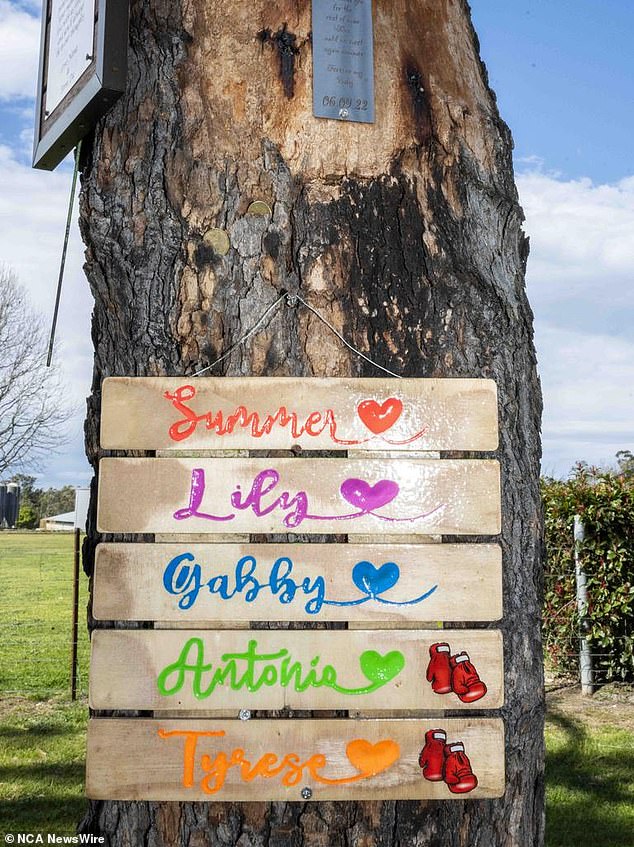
{"points": [[37, 734], [43, 773], [59, 816], [51, 797], [588, 796]]}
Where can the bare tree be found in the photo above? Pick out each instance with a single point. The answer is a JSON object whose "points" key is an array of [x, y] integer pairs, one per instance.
{"points": [[33, 412]]}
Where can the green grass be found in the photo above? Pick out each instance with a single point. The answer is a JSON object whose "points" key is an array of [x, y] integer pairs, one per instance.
{"points": [[42, 734], [589, 783], [36, 574], [42, 753]]}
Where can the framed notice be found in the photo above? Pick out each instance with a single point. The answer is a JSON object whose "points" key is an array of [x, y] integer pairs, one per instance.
{"points": [[83, 61]]}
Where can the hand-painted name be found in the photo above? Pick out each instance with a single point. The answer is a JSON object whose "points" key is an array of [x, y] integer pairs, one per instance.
{"points": [[253, 670], [366, 499], [366, 758], [377, 417], [183, 578]]}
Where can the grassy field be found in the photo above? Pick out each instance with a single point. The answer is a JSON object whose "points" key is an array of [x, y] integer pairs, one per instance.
{"points": [[36, 574], [590, 769], [42, 734], [42, 754], [590, 743]]}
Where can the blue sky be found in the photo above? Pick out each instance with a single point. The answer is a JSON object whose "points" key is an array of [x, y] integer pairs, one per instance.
{"points": [[562, 71]]}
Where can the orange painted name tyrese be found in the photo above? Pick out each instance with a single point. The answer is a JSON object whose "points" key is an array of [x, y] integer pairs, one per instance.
{"points": [[368, 759]]}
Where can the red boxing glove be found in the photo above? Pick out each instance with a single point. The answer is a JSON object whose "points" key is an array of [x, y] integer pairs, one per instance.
{"points": [[439, 668], [432, 756], [465, 681], [457, 771]]}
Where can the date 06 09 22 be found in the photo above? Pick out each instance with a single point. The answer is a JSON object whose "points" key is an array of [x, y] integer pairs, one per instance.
{"points": [[345, 103]]}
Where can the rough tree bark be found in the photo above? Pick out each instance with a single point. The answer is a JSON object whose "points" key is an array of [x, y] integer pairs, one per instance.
{"points": [[406, 235]]}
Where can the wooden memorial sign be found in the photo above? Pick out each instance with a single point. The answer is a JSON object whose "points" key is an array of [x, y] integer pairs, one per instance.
{"points": [[268, 413], [296, 669], [295, 759], [396, 494], [185, 583]]}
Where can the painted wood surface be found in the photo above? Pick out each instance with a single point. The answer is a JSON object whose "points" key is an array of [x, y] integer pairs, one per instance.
{"points": [[319, 414], [298, 582], [388, 496], [299, 669], [143, 759]]}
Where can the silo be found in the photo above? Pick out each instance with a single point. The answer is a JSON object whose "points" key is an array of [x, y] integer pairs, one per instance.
{"points": [[13, 504]]}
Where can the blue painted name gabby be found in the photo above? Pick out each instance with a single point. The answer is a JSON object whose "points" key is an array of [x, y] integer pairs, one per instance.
{"points": [[183, 578]]}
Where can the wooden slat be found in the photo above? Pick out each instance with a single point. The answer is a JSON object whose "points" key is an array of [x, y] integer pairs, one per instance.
{"points": [[394, 414], [143, 759], [335, 495], [295, 582], [368, 669]]}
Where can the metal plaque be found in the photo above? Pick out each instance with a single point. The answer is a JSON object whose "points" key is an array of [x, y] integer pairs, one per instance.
{"points": [[343, 60]]}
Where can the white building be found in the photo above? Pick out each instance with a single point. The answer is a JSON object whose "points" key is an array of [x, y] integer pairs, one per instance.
{"points": [[70, 520]]}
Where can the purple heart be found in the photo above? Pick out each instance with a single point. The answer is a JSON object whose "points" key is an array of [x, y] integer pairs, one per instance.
{"points": [[368, 497]]}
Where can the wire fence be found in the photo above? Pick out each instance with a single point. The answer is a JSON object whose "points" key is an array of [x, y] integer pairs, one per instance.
{"points": [[566, 644], [36, 615]]}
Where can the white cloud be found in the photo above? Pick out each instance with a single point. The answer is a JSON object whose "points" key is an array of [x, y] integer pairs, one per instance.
{"points": [[33, 209], [581, 237], [591, 383], [579, 279], [19, 51]]}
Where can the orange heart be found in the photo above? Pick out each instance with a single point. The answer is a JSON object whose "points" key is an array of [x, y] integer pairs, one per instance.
{"points": [[379, 417], [371, 759]]}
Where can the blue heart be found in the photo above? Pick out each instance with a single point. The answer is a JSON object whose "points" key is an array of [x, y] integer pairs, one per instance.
{"points": [[375, 581]]}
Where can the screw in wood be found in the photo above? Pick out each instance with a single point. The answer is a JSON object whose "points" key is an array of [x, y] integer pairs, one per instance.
{"points": [[245, 714], [307, 793]]}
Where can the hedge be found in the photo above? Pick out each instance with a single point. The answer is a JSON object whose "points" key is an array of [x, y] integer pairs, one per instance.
{"points": [[605, 502]]}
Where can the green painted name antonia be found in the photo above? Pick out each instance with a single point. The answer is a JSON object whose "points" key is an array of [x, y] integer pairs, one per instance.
{"points": [[253, 670]]}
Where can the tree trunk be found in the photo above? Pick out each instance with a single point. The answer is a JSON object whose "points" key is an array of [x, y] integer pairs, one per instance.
{"points": [[405, 234]]}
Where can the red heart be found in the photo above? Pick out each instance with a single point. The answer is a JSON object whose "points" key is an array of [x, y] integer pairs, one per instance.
{"points": [[378, 417]]}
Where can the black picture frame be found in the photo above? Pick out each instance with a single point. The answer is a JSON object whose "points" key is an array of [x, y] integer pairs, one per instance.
{"points": [[101, 84]]}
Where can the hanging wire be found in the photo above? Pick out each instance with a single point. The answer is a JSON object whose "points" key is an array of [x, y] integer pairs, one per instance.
{"points": [[291, 301], [340, 336], [245, 337], [62, 265]]}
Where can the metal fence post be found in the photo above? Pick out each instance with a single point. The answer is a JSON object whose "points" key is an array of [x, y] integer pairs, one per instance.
{"points": [[73, 655], [585, 656]]}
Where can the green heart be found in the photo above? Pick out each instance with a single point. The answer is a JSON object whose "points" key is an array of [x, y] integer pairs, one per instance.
{"points": [[378, 668]]}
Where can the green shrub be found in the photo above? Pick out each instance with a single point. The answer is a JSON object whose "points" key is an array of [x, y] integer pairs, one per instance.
{"points": [[605, 502], [27, 517]]}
